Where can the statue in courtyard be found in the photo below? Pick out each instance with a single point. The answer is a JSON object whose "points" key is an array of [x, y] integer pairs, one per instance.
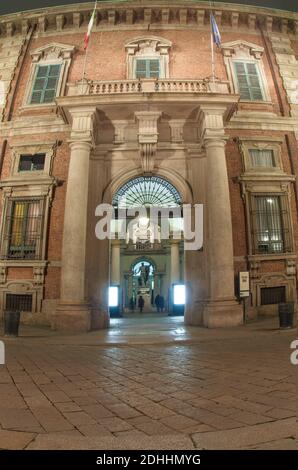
{"points": [[143, 271]]}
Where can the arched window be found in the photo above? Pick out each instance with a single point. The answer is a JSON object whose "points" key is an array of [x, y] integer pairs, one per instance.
{"points": [[147, 191], [148, 57]]}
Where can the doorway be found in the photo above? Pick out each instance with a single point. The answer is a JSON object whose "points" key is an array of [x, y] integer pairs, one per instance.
{"points": [[144, 264]]}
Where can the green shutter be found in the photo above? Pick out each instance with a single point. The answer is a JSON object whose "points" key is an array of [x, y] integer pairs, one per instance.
{"points": [[45, 84], [153, 68], [141, 69], [147, 68], [248, 81]]}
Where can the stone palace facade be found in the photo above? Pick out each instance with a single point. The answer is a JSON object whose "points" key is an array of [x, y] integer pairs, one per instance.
{"points": [[148, 110]]}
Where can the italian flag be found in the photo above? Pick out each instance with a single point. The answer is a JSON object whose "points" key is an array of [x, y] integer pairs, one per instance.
{"points": [[90, 26]]}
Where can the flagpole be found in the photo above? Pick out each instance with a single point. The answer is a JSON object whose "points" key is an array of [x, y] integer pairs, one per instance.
{"points": [[85, 62], [86, 50], [212, 50]]}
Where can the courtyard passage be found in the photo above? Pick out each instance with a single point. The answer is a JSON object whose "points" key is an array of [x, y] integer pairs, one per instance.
{"points": [[150, 382]]}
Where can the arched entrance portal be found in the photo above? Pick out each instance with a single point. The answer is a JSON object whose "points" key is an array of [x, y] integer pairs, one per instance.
{"points": [[147, 263]]}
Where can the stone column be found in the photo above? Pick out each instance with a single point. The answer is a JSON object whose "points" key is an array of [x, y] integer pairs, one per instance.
{"points": [[175, 262], [221, 308], [73, 311], [115, 262]]}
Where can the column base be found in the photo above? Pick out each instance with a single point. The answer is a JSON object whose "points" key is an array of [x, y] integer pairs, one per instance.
{"points": [[222, 314], [100, 319], [72, 317]]}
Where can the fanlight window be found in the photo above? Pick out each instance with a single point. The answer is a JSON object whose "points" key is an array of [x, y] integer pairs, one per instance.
{"points": [[147, 191]]}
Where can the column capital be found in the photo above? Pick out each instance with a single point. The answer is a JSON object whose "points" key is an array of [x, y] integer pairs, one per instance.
{"points": [[211, 120], [83, 122], [116, 243], [80, 144]]}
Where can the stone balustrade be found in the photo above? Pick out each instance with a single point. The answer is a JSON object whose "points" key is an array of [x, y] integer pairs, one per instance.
{"points": [[89, 87]]}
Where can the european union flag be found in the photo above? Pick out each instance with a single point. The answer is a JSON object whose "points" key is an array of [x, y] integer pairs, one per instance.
{"points": [[215, 31]]}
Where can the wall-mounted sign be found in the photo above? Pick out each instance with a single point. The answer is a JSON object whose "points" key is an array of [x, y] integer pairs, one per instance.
{"points": [[244, 283]]}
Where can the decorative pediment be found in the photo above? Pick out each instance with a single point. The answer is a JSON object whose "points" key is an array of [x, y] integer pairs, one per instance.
{"points": [[148, 45], [242, 49], [52, 51]]}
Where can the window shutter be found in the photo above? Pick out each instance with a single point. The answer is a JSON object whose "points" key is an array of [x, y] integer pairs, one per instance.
{"points": [[141, 68], [45, 85], [154, 68], [248, 81], [147, 68]]}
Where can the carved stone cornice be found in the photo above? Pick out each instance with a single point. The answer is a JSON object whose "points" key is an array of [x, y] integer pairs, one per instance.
{"points": [[148, 137], [111, 15]]}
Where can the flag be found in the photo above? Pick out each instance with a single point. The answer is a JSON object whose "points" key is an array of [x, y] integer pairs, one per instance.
{"points": [[215, 31], [90, 26]]}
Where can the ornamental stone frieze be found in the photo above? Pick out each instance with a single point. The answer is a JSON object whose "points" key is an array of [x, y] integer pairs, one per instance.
{"points": [[111, 17]]}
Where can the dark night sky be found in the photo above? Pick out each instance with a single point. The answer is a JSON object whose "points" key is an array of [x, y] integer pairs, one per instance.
{"points": [[9, 6]]}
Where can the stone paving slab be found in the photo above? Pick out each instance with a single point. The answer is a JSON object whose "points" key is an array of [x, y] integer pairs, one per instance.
{"points": [[242, 438], [213, 389], [136, 442]]}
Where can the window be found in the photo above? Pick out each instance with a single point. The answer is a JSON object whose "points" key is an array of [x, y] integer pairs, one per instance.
{"points": [[45, 84], [273, 295], [32, 162], [271, 233], [148, 57], [23, 227], [21, 302], [248, 79], [262, 158], [147, 68]]}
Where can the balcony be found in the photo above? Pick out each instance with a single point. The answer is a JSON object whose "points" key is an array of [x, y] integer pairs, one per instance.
{"points": [[126, 87], [119, 100]]}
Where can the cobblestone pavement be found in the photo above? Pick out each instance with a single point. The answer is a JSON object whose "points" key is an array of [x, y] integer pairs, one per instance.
{"points": [[150, 383]]}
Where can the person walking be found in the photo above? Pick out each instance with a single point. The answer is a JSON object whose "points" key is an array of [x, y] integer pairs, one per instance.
{"points": [[141, 304]]}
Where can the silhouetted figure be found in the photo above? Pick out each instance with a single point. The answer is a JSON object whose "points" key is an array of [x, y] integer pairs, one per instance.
{"points": [[141, 303], [157, 302]]}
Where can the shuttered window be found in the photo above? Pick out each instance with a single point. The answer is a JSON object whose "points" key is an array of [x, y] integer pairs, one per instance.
{"points": [[45, 84], [248, 78], [270, 224], [147, 68]]}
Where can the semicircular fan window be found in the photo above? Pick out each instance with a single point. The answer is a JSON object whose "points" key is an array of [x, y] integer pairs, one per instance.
{"points": [[147, 191]]}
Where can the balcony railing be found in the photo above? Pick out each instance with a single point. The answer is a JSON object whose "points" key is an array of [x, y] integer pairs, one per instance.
{"points": [[121, 87]]}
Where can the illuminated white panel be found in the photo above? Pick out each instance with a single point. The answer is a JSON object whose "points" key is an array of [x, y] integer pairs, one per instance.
{"points": [[179, 294], [113, 296]]}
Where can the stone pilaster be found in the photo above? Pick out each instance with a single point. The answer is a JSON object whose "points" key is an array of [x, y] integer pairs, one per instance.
{"points": [[73, 311], [221, 308], [115, 262], [175, 262]]}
